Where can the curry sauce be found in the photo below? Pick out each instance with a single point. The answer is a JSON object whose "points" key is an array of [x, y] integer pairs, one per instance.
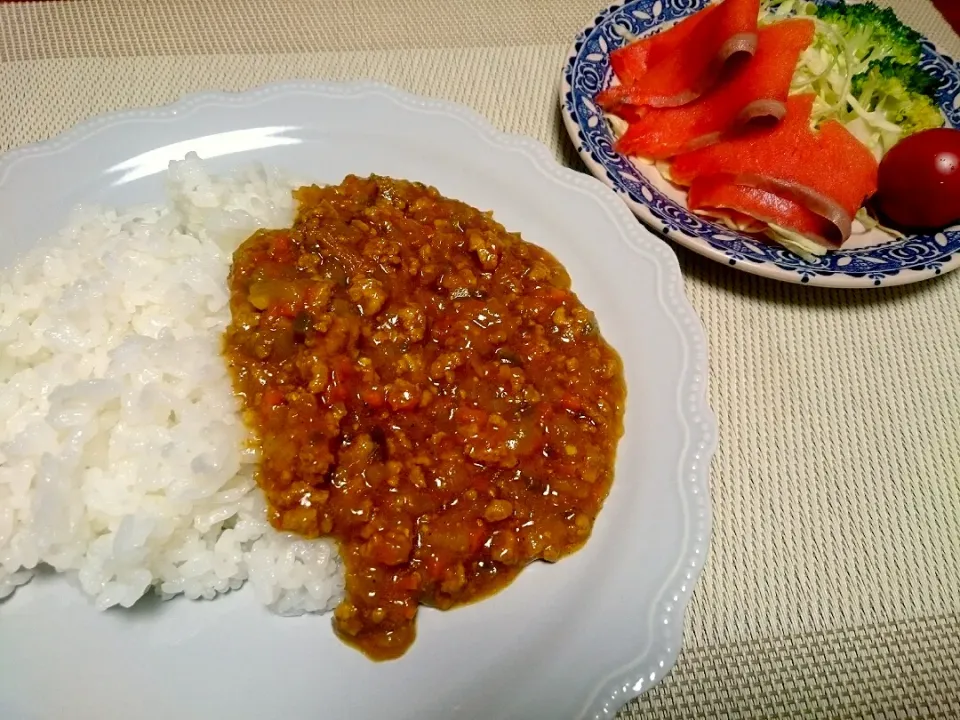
{"points": [[427, 390]]}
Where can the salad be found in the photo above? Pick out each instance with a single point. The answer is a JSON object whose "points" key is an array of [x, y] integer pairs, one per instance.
{"points": [[805, 122]]}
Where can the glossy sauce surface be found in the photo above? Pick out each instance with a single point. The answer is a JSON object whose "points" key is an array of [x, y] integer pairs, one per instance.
{"points": [[427, 390]]}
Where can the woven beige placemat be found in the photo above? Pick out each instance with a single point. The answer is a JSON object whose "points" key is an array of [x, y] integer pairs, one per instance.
{"points": [[833, 584]]}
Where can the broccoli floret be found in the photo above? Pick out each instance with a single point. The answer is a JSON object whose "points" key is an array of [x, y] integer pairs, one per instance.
{"points": [[911, 77], [921, 114], [890, 101], [872, 33], [835, 13]]}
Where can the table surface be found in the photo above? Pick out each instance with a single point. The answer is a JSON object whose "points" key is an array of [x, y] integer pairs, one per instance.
{"points": [[833, 582]]}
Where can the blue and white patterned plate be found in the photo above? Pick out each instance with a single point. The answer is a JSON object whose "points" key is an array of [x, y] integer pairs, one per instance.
{"points": [[867, 261]]}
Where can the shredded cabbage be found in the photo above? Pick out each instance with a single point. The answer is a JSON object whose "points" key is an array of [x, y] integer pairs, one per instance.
{"points": [[795, 242]]}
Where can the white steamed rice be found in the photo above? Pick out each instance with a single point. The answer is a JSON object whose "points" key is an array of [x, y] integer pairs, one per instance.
{"points": [[123, 460]]}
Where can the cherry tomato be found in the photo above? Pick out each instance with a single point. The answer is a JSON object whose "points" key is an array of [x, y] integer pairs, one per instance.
{"points": [[919, 181]]}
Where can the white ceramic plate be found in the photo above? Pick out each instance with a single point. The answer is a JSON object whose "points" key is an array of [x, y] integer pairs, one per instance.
{"points": [[575, 640]]}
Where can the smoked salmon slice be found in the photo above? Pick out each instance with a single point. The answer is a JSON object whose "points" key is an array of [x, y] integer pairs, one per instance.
{"points": [[756, 89], [827, 170], [720, 196], [631, 61], [693, 64]]}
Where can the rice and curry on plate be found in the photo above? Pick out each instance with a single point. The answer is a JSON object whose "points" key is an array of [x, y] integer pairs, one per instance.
{"points": [[360, 397]]}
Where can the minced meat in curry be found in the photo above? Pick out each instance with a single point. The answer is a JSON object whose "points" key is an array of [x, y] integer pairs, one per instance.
{"points": [[427, 390]]}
